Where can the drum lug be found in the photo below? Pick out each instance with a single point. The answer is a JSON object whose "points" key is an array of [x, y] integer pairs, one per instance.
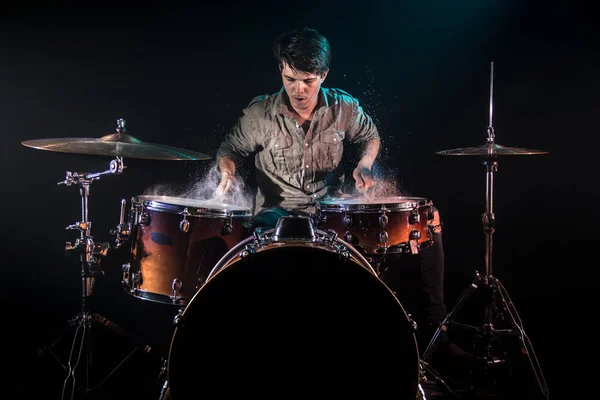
{"points": [[383, 237], [144, 219], [413, 327], [348, 237], [248, 251], [383, 220], [176, 286], [126, 268], [184, 225], [136, 279], [227, 229], [347, 221], [344, 254], [414, 217], [179, 319], [415, 235]]}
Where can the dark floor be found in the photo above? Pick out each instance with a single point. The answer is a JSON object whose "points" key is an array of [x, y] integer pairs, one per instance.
{"points": [[42, 374], [139, 377], [127, 359]]}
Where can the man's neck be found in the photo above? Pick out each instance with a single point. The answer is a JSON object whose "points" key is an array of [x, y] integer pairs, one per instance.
{"points": [[305, 114]]}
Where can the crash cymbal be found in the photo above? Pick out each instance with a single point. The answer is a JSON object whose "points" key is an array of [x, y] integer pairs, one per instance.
{"points": [[116, 145], [490, 149]]}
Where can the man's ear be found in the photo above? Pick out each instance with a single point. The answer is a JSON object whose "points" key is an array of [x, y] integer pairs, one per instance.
{"points": [[324, 75]]}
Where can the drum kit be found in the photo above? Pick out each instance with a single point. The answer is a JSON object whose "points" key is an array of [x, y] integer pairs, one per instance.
{"points": [[276, 309]]}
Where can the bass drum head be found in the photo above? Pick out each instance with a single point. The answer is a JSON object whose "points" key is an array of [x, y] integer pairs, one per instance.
{"points": [[292, 320]]}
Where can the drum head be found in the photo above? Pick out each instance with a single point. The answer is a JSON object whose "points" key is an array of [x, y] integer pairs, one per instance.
{"points": [[293, 320], [194, 206], [376, 203]]}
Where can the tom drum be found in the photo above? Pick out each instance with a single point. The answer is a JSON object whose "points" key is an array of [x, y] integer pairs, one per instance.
{"points": [[176, 242]]}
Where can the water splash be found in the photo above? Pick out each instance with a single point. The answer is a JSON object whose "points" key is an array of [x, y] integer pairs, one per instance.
{"points": [[202, 188]]}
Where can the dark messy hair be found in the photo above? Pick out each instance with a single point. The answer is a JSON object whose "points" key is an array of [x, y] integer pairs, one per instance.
{"points": [[304, 50]]}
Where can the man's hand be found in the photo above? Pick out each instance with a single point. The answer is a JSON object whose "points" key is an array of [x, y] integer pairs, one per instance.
{"points": [[227, 168], [227, 182], [363, 178]]}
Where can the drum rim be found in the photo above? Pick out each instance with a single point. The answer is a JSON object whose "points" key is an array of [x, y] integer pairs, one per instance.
{"points": [[157, 203], [159, 298], [341, 204], [267, 239]]}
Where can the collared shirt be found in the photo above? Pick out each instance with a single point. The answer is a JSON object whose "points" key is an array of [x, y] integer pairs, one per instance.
{"points": [[295, 169]]}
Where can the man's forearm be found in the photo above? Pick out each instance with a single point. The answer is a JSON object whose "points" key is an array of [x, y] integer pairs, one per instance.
{"points": [[370, 152]]}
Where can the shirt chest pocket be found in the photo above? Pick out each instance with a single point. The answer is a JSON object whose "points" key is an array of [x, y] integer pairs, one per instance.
{"points": [[332, 137], [329, 149], [280, 152]]}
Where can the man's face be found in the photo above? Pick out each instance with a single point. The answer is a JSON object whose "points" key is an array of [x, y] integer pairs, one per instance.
{"points": [[302, 88]]}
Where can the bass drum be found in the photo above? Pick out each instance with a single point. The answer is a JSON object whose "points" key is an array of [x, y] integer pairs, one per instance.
{"points": [[293, 313]]}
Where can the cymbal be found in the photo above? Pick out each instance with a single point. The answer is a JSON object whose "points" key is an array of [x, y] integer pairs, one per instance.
{"points": [[489, 149], [115, 145]]}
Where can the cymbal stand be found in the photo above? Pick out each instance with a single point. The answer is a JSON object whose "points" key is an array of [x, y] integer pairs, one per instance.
{"points": [[498, 303], [90, 254]]}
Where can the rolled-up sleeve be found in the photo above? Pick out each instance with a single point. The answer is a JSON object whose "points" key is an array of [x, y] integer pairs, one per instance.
{"points": [[241, 141], [361, 127]]}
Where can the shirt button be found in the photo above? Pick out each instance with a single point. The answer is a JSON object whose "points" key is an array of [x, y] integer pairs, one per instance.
{"points": [[306, 165], [306, 144], [307, 186], [276, 145]]}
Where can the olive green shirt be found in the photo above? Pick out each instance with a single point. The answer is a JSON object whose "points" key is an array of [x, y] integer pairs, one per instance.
{"points": [[295, 169]]}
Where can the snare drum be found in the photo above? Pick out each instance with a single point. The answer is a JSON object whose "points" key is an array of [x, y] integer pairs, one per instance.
{"points": [[293, 309], [384, 225], [175, 244]]}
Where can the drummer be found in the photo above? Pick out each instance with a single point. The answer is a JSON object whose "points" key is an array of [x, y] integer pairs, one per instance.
{"points": [[297, 134], [296, 137]]}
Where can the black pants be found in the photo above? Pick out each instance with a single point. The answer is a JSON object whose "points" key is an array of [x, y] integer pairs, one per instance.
{"points": [[418, 282]]}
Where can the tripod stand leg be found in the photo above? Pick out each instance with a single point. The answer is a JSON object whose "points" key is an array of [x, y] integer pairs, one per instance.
{"points": [[141, 347], [427, 371], [72, 368], [526, 345], [135, 351], [82, 344], [433, 343]]}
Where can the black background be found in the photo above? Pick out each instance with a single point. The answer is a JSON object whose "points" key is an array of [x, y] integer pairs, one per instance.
{"points": [[180, 74]]}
